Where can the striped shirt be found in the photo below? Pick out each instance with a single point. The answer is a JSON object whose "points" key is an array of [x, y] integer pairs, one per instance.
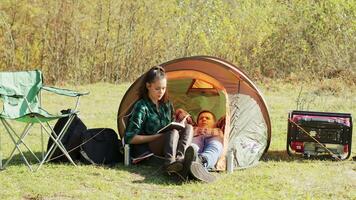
{"points": [[208, 132]]}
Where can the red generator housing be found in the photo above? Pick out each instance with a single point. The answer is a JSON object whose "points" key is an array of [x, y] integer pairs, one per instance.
{"points": [[333, 131]]}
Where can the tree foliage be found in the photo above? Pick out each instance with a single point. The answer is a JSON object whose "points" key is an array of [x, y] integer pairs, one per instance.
{"points": [[115, 41]]}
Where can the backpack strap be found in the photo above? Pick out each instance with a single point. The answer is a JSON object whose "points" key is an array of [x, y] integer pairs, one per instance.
{"points": [[86, 157]]}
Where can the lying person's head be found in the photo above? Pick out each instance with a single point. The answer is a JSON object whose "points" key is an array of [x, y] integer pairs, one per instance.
{"points": [[206, 119]]}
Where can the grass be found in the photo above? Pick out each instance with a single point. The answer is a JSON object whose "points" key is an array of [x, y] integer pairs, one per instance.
{"points": [[276, 177]]}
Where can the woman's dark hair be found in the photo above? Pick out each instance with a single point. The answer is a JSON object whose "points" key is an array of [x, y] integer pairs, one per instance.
{"points": [[206, 111], [155, 73]]}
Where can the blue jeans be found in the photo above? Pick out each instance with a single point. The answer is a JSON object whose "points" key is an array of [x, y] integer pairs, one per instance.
{"points": [[208, 147]]}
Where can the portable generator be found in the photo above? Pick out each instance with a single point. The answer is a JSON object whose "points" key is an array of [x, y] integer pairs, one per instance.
{"points": [[319, 133]]}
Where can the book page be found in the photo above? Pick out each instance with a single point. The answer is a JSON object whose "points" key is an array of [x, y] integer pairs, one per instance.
{"points": [[171, 126]]}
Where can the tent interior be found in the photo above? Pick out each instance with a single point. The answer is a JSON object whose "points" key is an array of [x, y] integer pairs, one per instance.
{"points": [[194, 95], [194, 92]]}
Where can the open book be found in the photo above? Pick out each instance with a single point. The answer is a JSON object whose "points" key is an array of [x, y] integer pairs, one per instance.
{"points": [[174, 125]]}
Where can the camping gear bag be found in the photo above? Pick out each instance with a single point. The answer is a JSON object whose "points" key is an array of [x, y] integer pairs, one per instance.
{"points": [[101, 146], [71, 139], [332, 132]]}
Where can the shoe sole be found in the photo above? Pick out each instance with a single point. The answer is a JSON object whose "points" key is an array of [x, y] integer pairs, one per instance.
{"points": [[189, 156], [200, 173], [174, 167]]}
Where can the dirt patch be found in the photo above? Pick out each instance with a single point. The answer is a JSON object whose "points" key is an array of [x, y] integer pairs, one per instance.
{"points": [[33, 197]]}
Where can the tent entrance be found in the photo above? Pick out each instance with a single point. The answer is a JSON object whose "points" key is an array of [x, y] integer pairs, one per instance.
{"points": [[195, 95]]}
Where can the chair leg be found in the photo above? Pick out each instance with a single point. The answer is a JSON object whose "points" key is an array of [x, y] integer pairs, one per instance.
{"points": [[57, 142], [20, 140], [42, 144], [60, 135], [22, 136], [59, 138], [16, 146]]}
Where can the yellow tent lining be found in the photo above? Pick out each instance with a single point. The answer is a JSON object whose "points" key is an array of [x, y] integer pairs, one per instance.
{"points": [[197, 83], [183, 74]]}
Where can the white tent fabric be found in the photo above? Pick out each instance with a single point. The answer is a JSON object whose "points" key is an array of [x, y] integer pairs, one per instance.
{"points": [[248, 133]]}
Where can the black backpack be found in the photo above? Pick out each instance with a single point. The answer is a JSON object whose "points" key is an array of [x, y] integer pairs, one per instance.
{"points": [[101, 146], [70, 140]]}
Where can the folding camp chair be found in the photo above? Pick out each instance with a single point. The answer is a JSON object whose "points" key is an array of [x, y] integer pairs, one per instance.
{"points": [[21, 93]]}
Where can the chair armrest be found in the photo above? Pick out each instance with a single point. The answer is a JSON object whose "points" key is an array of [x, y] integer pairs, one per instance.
{"points": [[65, 92]]}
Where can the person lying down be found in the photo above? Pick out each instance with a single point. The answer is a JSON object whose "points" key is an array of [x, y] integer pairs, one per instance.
{"points": [[206, 147]]}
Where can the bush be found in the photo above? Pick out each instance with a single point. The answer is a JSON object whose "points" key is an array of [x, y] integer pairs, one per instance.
{"points": [[116, 41]]}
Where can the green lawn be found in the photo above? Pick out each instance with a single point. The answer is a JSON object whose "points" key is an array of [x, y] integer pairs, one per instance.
{"points": [[276, 177]]}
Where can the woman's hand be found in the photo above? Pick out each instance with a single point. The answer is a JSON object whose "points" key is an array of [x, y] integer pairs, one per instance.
{"points": [[140, 139]]}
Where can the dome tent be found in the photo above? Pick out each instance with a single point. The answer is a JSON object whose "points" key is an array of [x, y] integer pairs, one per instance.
{"points": [[209, 83]]}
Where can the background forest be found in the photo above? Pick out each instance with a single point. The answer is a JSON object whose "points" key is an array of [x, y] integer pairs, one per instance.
{"points": [[78, 42]]}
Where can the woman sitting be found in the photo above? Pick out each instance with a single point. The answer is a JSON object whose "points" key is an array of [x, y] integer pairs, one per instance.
{"points": [[152, 112]]}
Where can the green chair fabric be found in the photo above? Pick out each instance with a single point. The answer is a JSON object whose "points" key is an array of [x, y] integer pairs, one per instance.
{"points": [[16, 88], [19, 92]]}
